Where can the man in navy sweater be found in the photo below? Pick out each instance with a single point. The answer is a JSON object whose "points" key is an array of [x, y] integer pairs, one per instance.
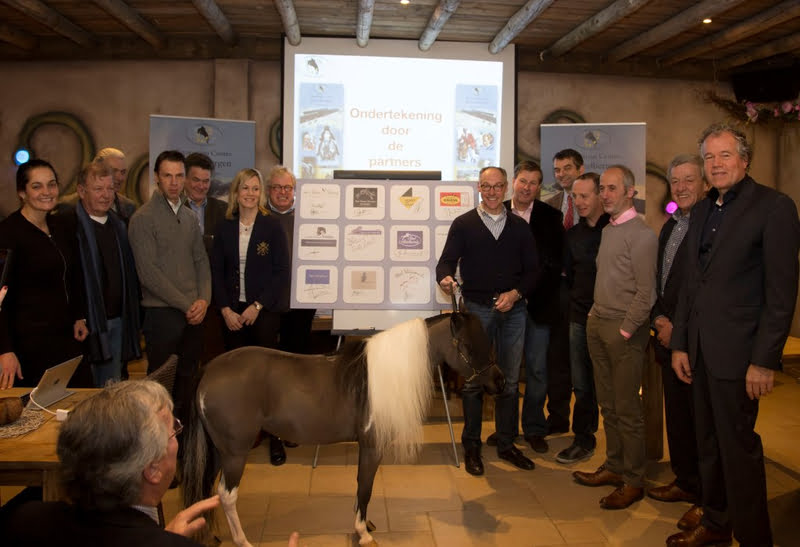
{"points": [[498, 263]]}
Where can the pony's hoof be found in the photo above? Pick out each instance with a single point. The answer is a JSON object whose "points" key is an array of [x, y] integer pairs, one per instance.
{"points": [[370, 527]]}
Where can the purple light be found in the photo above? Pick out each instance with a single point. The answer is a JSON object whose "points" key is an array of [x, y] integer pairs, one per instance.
{"points": [[671, 207]]}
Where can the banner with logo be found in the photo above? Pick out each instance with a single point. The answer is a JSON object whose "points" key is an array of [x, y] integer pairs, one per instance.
{"points": [[601, 145], [231, 145], [367, 244]]}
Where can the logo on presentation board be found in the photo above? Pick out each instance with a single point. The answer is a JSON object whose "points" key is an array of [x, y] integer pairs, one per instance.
{"points": [[592, 138], [203, 134], [409, 239], [364, 280], [312, 66], [408, 199], [318, 277], [365, 197], [450, 199], [362, 231]]}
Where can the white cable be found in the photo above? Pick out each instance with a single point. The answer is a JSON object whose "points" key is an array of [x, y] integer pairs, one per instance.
{"points": [[37, 404]]}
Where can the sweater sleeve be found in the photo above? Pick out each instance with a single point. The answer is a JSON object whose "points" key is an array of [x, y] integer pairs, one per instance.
{"points": [[644, 252], [453, 250], [202, 268]]}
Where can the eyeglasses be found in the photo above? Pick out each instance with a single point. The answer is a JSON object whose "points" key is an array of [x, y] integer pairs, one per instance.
{"points": [[177, 427], [279, 188], [492, 188]]}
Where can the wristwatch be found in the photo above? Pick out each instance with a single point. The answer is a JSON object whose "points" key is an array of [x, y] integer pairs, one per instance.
{"points": [[258, 305]]}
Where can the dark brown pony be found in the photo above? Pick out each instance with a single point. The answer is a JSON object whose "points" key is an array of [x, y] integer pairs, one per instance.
{"points": [[375, 392]]}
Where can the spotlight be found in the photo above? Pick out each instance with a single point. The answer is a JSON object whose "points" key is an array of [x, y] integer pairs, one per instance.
{"points": [[671, 207], [21, 156]]}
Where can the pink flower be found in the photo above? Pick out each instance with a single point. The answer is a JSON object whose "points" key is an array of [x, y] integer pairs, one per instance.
{"points": [[752, 113], [776, 112], [786, 107], [797, 107]]}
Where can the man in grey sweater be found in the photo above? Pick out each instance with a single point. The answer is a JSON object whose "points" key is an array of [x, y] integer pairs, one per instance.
{"points": [[175, 277], [617, 332]]}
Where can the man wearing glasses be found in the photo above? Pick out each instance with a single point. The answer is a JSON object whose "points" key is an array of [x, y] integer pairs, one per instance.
{"points": [[116, 479], [496, 254]]}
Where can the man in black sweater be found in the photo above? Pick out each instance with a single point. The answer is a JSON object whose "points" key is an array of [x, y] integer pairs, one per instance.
{"points": [[498, 264], [582, 244]]}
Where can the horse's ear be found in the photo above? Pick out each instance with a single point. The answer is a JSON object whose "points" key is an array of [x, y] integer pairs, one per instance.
{"points": [[462, 306]]}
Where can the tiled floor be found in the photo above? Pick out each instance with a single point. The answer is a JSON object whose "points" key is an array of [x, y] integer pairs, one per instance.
{"points": [[433, 503]]}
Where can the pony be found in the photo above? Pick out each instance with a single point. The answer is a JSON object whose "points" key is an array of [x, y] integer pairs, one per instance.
{"points": [[374, 391]]}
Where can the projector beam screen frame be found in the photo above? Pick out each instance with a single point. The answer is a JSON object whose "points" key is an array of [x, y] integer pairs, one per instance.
{"points": [[360, 118]]}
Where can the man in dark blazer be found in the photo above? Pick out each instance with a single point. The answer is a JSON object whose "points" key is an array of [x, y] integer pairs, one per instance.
{"points": [[687, 186], [546, 226], [733, 317], [115, 480]]}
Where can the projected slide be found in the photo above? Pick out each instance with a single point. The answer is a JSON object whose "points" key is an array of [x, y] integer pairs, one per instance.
{"points": [[375, 109]]}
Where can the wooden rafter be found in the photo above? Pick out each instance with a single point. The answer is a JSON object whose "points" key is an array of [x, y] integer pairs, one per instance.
{"points": [[439, 17], [131, 19], [289, 18], [672, 27], [527, 13], [364, 22], [36, 9], [16, 37], [210, 10], [776, 15], [776, 47], [593, 25]]}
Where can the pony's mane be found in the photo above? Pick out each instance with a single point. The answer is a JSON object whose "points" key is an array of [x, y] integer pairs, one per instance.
{"points": [[399, 379]]}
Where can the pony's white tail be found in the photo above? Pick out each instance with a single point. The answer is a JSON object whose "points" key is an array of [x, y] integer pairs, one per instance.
{"points": [[399, 379]]}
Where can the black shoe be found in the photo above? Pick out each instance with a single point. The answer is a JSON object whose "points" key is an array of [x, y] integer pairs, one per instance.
{"points": [[538, 443], [472, 461], [277, 454], [556, 429], [491, 440], [290, 444], [574, 453], [516, 457]]}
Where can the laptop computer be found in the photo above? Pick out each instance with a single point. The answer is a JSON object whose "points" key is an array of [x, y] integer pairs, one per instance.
{"points": [[53, 385]]}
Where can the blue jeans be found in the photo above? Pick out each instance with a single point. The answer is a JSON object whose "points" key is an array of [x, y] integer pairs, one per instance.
{"points": [[585, 414], [507, 331], [537, 337], [111, 369]]}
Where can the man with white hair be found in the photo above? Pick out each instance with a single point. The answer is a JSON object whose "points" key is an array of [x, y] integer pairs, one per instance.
{"points": [[115, 160], [118, 456]]}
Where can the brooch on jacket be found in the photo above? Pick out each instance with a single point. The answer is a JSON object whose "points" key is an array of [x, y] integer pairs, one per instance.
{"points": [[262, 248]]}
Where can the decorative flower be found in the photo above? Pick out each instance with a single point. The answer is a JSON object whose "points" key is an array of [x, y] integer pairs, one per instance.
{"points": [[752, 112]]}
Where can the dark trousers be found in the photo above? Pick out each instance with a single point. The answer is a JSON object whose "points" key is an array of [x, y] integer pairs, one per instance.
{"points": [[679, 411], [586, 413], [559, 379], [295, 334], [263, 332], [166, 332], [734, 483]]}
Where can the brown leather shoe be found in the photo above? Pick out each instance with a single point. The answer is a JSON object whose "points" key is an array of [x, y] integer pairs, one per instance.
{"points": [[691, 519], [671, 492], [601, 477], [699, 536], [622, 497]]}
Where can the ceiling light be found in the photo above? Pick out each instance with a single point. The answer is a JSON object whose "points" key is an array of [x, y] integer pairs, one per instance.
{"points": [[707, 20], [405, 2]]}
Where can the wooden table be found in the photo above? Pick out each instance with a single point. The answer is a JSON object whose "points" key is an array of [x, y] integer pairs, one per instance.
{"points": [[31, 460]]}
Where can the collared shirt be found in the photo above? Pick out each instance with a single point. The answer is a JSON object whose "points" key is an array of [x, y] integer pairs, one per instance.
{"points": [[495, 223], [624, 217], [277, 212], [151, 512], [524, 213], [673, 243], [714, 220], [565, 207], [200, 211]]}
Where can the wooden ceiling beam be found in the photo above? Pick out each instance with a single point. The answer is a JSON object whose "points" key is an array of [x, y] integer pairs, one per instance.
{"points": [[436, 23], [364, 21], [210, 10], [776, 15], [776, 47], [38, 10], [16, 37], [131, 19], [672, 27], [517, 23], [593, 25], [291, 27]]}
